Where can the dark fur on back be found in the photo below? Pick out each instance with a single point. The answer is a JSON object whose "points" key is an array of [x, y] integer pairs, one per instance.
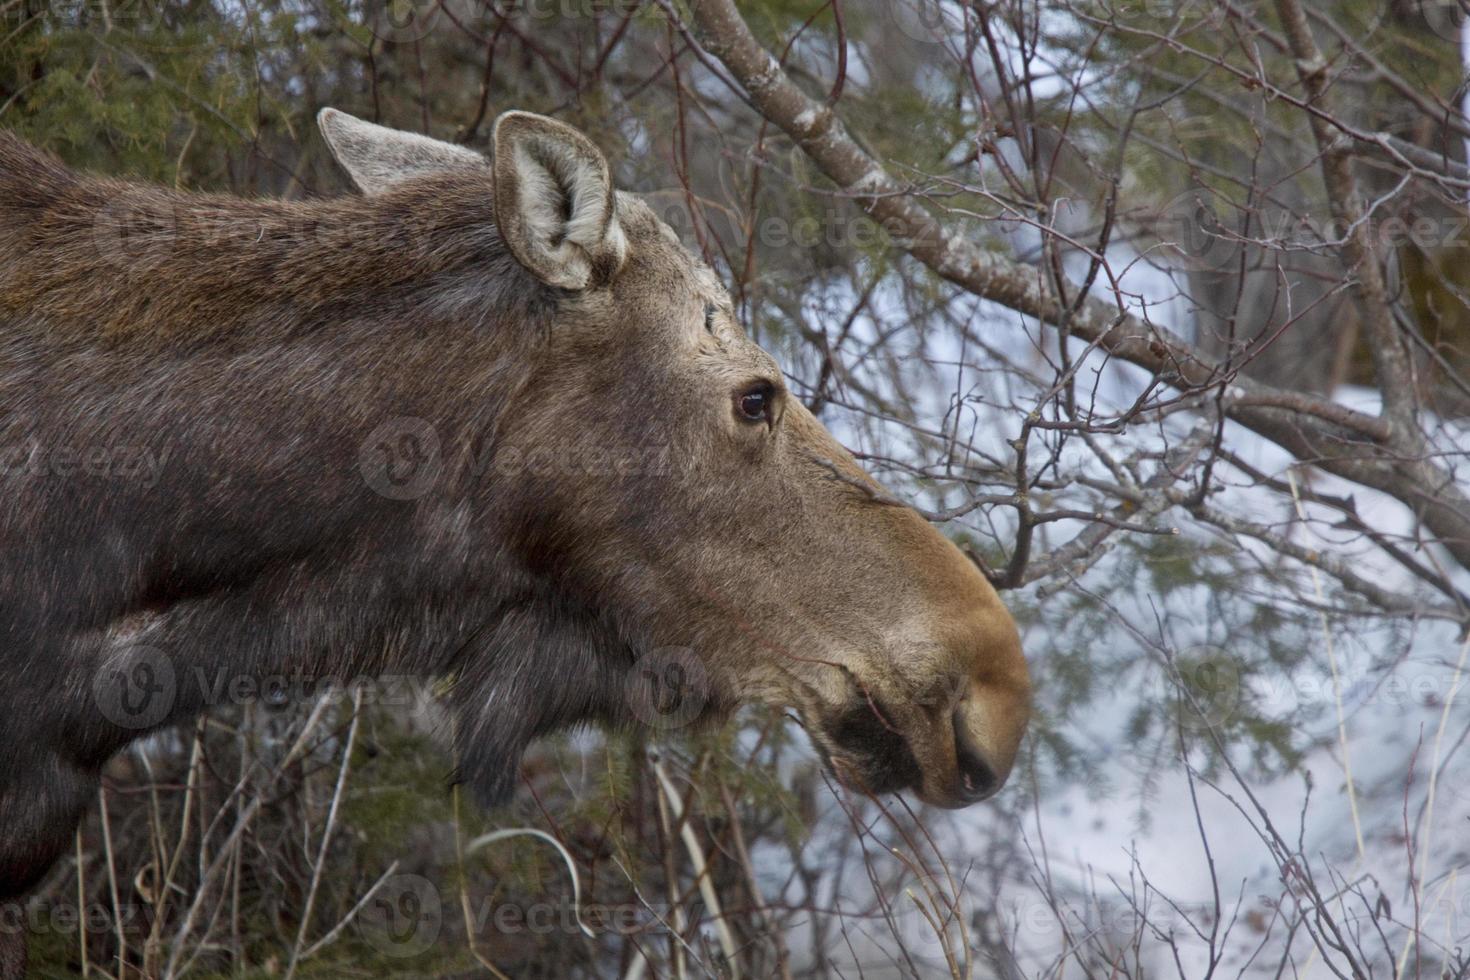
{"points": [[234, 365]]}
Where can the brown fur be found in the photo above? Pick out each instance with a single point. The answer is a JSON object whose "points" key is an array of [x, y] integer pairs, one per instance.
{"points": [[255, 350]]}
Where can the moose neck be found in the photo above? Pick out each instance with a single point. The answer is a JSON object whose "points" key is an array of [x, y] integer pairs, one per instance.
{"points": [[232, 367]]}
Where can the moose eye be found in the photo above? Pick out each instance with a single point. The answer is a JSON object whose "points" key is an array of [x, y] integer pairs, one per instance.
{"points": [[754, 403]]}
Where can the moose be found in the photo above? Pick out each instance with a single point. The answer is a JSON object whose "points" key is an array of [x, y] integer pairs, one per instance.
{"points": [[274, 437]]}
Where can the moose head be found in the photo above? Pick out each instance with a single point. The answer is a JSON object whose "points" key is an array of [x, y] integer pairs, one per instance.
{"points": [[759, 546]]}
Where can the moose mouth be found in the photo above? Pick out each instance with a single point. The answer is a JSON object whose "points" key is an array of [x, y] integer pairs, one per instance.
{"points": [[867, 753], [864, 751]]}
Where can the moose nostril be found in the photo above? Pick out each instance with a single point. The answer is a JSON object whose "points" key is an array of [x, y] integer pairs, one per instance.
{"points": [[977, 779]]}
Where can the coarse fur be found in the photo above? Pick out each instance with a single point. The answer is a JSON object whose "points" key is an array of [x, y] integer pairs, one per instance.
{"points": [[482, 422]]}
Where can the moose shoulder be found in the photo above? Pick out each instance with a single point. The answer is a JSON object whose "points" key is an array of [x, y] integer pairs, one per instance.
{"points": [[488, 420]]}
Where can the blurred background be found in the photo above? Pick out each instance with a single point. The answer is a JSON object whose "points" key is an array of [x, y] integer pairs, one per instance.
{"points": [[1172, 338]]}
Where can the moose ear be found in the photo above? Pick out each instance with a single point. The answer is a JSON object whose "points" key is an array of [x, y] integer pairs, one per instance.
{"points": [[554, 201], [376, 157]]}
